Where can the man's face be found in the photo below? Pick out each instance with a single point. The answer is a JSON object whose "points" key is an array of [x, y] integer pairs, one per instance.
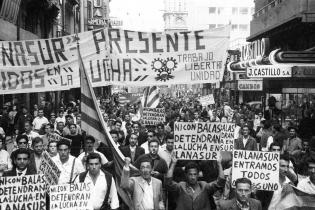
{"points": [[160, 129], [292, 133], [94, 166], [38, 148], [48, 129], [28, 127], [40, 113], [150, 136], [22, 143], [73, 129], [192, 176], [133, 140], [275, 148], [115, 137], [53, 118], [127, 117], [306, 146], [60, 126], [196, 115], [135, 128], [63, 151], [245, 131], [24, 110], [69, 120], [105, 116], [170, 144], [145, 170], [21, 161], [243, 191], [52, 148], [118, 126], [311, 171], [284, 167], [89, 145], [61, 114], [154, 148]]}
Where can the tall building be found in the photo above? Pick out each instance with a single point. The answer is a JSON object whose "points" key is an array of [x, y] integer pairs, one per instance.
{"points": [[209, 14], [175, 15]]}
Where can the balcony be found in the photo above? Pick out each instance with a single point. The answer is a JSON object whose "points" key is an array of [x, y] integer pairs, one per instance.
{"points": [[279, 12]]}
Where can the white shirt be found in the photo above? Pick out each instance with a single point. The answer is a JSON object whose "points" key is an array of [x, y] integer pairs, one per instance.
{"points": [[245, 140], [99, 191], [166, 155], [277, 195], [61, 119], [5, 159], [39, 121], [237, 132], [104, 159], [145, 146], [37, 161], [306, 186], [269, 142], [147, 200], [66, 169]]}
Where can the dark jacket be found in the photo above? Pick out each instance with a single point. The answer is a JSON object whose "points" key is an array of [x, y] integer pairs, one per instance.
{"points": [[231, 204], [12, 172], [125, 150], [250, 145], [201, 201]]}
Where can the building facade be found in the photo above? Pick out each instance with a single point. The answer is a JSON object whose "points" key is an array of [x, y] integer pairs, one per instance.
{"points": [[286, 63]]}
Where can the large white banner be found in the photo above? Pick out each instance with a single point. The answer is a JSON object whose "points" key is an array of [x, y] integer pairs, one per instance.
{"points": [[113, 57]]}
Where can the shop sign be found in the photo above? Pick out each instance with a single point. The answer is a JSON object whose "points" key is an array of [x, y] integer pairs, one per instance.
{"points": [[269, 71], [97, 22], [253, 50], [250, 85], [303, 71]]}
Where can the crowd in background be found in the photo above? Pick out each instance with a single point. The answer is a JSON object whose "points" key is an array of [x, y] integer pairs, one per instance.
{"points": [[150, 149]]}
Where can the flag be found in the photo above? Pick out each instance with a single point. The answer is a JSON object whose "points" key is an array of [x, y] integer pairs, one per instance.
{"points": [[93, 124], [294, 199], [151, 97]]}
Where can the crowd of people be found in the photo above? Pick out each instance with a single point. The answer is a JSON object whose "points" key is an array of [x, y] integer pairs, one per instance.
{"points": [[163, 182]]}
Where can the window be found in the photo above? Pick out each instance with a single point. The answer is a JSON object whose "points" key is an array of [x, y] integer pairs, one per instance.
{"points": [[212, 26], [234, 27], [220, 25], [212, 10], [234, 10], [89, 9], [243, 27], [97, 3], [243, 11], [220, 10]]}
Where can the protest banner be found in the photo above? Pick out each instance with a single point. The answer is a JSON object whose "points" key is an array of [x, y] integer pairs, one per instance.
{"points": [[153, 116], [262, 168], [206, 100], [114, 57], [202, 141], [23, 192], [75, 196], [49, 169], [56, 137]]}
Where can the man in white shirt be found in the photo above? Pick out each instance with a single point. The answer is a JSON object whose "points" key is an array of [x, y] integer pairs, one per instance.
{"points": [[283, 179], [167, 151], [40, 120], [69, 166], [104, 193], [89, 148], [308, 184], [30, 133], [5, 160]]}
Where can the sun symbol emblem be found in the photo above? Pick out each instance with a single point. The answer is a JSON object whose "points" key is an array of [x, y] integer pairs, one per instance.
{"points": [[164, 68]]}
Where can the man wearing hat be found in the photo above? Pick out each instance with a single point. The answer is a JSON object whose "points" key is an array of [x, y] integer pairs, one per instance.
{"points": [[293, 145]]}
